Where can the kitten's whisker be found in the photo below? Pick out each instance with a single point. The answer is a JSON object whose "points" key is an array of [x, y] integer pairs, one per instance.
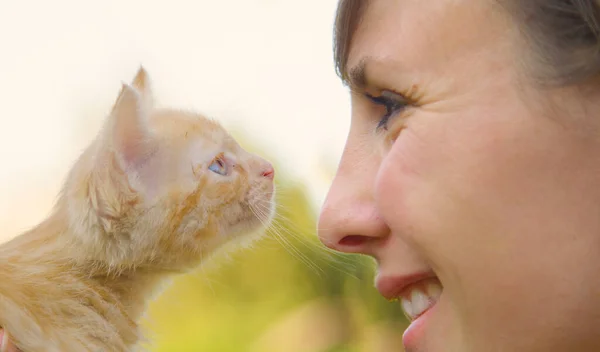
{"points": [[314, 248], [279, 217], [333, 259], [289, 246], [319, 251], [206, 279]]}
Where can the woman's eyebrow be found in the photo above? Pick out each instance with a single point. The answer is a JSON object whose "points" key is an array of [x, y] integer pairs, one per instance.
{"points": [[356, 77]]}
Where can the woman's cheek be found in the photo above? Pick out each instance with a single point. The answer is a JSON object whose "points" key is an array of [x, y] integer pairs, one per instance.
{"points": [[415, 192], [404, 151], [401, 180]]}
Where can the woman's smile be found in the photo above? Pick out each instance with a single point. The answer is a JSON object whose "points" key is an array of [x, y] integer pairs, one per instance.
{"points": [[419, 298], [417, 294]]}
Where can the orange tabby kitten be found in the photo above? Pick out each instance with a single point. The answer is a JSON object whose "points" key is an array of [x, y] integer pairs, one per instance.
{"points": [[153, 195]]}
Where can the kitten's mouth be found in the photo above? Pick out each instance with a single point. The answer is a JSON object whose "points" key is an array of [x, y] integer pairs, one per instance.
{"points": [[258, 207]]}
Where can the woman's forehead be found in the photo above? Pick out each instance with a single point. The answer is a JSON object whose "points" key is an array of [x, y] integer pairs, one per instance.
{"points": [[422, 32]]}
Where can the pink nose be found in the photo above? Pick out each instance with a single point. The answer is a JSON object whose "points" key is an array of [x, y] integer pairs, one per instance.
{"points": [[269, 172]]}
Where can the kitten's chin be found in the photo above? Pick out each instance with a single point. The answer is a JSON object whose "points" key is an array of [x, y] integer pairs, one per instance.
{"points": [[254, 221], [252, 224], [244, 236]]}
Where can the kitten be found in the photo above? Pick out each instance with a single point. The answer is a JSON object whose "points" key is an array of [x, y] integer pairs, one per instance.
{"points": [[154, 194]]}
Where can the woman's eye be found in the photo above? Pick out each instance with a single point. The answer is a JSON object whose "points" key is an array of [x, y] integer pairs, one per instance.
{"points": [[393, 103], [218, 166]]}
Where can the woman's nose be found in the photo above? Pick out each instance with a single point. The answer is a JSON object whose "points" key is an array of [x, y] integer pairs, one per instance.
{"points": [[349, 220], [351, 227]]}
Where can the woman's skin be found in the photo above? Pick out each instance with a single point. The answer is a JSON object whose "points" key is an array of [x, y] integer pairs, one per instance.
{"points": [[484, 181], [5, 344]]}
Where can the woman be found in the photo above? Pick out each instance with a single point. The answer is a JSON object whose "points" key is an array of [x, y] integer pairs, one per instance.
{"points": [[471, 171]]}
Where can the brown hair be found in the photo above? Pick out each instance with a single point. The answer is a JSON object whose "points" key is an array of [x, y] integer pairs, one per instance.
{"points": [[349, 14], [564, 37]]}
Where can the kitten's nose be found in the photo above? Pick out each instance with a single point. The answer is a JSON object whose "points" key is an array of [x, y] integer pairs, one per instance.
{"points": [[268, 171]]}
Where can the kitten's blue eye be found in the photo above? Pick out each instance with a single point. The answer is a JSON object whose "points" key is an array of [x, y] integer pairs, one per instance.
{"points": [[218, 166]]}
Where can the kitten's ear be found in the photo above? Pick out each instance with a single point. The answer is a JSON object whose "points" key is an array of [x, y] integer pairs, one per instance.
{"points": [[142, 83], [129, 135]]}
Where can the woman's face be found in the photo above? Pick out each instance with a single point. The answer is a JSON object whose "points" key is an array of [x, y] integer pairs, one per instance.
{"points": [[480, 186]]}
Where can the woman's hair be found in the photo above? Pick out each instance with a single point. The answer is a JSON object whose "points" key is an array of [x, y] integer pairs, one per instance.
{"points": [[563, 37]]}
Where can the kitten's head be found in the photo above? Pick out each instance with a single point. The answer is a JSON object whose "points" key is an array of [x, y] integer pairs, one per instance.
{"points": [[164, 187]]}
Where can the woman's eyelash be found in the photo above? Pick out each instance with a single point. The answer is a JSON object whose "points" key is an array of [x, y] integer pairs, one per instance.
{"points": [[392, 104]]}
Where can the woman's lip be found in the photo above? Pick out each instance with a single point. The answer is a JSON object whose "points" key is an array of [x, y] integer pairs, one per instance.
{"points": [[415, 331], [391, 287]]}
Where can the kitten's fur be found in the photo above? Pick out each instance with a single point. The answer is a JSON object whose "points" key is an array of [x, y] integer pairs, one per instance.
{"points": [[139, 204]]}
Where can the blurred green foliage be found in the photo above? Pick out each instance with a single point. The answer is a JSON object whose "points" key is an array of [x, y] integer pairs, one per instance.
{"points": [[285, 293]]}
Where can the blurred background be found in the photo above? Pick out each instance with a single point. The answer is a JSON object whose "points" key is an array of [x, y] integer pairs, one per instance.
{"points": [[264, 68]]}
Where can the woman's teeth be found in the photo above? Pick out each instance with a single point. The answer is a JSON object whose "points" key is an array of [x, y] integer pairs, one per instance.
{"points": [[420, 298]]}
